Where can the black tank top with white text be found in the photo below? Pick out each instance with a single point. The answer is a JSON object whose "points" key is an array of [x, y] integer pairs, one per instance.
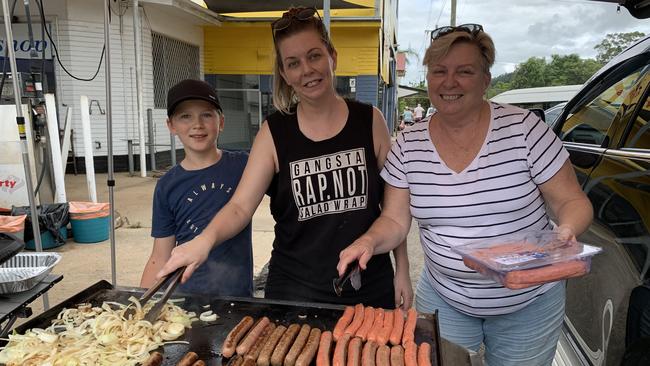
{"points": [[325, 195]]}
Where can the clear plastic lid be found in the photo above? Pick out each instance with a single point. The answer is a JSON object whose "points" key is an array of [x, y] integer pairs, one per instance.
{"points": [[524, 250]]}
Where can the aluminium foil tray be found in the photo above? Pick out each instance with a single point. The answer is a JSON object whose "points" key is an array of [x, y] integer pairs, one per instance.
{"points": [[25, 270]]}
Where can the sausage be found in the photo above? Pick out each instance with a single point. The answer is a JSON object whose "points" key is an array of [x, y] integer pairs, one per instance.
{"points": [[377, 325], [410, 354], [236, 361], [384, 334], [248, 362], [230, 343], [340, 350], [264, 359], [515, 280], [252, 336], [383, 355], [298, 344], [254, 352], [369, 353], [281, 349], [356, 321], [397, 356], [398, 327], [519, 279], [409, 326], [324, 348], [343, 322], [310, 348], [354, 352], [424, 354], [155, 359], [368, 320], [199, 363], [188, 359]]}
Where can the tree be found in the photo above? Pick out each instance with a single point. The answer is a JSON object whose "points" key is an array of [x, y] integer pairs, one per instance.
{"points": [[530, 74], [615, 43], [569, 70], [537, 72]]}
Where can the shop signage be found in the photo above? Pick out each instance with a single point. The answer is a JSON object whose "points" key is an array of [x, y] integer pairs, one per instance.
{"points": [[21, 44]]}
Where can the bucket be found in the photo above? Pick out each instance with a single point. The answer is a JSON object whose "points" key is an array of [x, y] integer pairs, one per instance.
{"points": [[47, 240], [89, 221], [14, 225], [90, 230]]}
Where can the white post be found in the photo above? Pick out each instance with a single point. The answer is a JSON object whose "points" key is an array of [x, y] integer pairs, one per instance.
{"points": [[65, 144], [55, 148], [88, 149], [137, 37]]}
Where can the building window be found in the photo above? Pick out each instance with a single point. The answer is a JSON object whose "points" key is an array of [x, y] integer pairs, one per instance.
{"points": [[173, 61]]}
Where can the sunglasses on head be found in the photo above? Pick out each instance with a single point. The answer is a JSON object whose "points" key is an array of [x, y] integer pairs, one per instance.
{"points": [[472, 29], [288, 18]]}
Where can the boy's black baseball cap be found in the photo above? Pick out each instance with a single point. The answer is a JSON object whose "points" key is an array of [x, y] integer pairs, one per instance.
{"points": [[191, 89]]}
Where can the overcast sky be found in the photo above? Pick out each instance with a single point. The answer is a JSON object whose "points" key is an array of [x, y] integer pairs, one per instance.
{"points": [[520, 28]]}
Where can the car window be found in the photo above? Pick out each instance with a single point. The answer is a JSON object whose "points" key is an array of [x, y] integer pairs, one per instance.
{"points": [[639, 136], [589, 123], [551, 114]]}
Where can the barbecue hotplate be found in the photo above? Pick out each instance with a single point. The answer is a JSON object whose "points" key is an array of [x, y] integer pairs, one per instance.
{"points": [[206, 338]]}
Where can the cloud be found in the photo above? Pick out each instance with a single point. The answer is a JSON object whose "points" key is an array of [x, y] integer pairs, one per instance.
{"points": [[520, 29]]}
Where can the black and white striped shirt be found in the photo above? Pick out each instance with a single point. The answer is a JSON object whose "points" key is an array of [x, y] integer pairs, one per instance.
{"points": [[496, 194]]}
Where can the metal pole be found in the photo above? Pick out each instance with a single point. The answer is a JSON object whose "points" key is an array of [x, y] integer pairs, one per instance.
{"points": [[152, 139], [452, 21], [129, 148], [20, 120], [137, 37], [109, 136], [172, 143], [326, 15]]}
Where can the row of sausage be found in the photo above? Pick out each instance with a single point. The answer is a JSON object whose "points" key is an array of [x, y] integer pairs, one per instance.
{"points": [[362, 336]]}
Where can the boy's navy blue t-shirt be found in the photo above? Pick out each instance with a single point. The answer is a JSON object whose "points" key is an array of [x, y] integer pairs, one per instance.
{"points": [[184, 203]]}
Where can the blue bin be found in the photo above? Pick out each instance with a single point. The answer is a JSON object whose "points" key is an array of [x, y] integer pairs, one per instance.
{"points": [[47, 240], [90, 230]]}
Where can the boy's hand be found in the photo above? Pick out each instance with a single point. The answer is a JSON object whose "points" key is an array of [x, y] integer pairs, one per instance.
{"points": [[403, 289], [191, 254]]}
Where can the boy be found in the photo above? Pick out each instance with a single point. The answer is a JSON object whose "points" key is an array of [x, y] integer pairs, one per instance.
{"points": [[188, 196]]}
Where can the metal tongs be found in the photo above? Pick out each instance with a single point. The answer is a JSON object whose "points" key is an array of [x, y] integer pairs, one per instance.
{"points": [[352, 274], [172, 281]]}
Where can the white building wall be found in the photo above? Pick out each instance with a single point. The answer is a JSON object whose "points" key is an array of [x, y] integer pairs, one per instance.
{"points": [[80, 38]]}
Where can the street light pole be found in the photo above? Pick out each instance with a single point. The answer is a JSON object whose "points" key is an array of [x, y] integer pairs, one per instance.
{"points": [[452, 21]]}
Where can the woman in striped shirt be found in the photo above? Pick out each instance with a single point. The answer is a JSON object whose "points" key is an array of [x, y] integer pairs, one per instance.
{"points": [[471, 171]]}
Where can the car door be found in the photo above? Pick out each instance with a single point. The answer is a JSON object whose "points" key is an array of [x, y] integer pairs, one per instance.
{"points": [[607, 136]]}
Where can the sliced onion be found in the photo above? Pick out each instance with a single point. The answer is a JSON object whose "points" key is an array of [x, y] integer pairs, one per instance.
{"points": [[208, 316]]}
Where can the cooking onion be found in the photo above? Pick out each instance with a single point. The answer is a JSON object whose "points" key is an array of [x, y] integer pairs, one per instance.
{"points": [[90, 335], [207, 316]]}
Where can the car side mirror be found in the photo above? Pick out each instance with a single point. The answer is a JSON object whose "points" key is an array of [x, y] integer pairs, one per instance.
{"points": [[539, 113]]}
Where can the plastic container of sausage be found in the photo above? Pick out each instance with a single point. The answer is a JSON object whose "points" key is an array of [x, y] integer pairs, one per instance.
{"points": [[527, 259]]}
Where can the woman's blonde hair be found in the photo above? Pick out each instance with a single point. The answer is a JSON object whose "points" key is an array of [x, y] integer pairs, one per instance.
{"points": [[440, 47], [284, 97]]}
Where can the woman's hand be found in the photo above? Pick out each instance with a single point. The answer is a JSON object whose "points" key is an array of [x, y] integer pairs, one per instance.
{"points": [[403, 289], [362, 250], [565, 232], [191, 254]]}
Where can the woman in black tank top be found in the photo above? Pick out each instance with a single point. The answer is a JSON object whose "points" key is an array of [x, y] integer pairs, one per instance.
{"points": [[318, 158]]}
